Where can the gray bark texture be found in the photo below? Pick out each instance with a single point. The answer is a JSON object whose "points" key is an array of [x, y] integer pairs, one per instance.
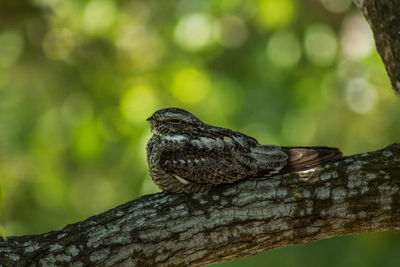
{"points": [[383, 17], [357, 194]]}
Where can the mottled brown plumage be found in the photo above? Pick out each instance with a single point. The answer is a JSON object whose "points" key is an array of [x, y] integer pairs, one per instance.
{"points": [[187, 155]]}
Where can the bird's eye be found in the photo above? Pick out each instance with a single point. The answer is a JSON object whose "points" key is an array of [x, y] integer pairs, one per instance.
{"points": [[174, 121]]}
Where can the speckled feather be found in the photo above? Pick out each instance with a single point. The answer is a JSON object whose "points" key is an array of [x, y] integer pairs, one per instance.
{"points": [[186, 155]]}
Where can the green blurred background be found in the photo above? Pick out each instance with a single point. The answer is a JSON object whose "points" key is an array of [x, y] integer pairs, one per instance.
{"points": [[79, 78]]}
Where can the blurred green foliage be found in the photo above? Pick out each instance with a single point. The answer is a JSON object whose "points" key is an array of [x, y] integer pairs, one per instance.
{"points": [[2, 232], [79, 78]]}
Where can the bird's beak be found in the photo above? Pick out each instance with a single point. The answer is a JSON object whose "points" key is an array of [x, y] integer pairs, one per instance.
{"points": [[151, 120]]}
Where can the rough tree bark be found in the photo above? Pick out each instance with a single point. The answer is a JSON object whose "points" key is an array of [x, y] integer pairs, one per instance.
{"points": [[384, 18], [355, 195]]}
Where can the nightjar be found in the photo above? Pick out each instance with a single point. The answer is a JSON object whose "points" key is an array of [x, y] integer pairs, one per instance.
{"points": [[187, 155]]}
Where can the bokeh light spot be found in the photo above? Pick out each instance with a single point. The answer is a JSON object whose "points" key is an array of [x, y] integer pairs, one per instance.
{"points": [[284, 50], [356, 37], [321, 44], [139, 46], [274, 14], [336, 6], [138, 103], [360, 95], [11, 45], [232, 31], [195, 31], [58, 44], [190, 85], [99, 15]]}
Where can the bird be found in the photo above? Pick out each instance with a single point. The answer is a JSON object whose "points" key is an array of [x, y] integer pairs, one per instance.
{"points": [[186, 155]]}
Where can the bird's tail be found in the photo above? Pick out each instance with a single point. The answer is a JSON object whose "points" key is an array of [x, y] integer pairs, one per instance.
{"points": [[302, 158]]}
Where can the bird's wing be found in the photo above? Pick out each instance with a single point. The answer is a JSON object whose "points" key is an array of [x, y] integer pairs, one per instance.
{"points": [[219, 164], [206, 167]]}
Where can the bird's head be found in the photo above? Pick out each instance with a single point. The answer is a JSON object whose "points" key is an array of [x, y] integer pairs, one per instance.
{"points": [[175, 121]]}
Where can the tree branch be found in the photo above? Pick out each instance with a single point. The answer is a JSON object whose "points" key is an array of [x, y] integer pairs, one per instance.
{"points": [[384, 18], [355, 195]]}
